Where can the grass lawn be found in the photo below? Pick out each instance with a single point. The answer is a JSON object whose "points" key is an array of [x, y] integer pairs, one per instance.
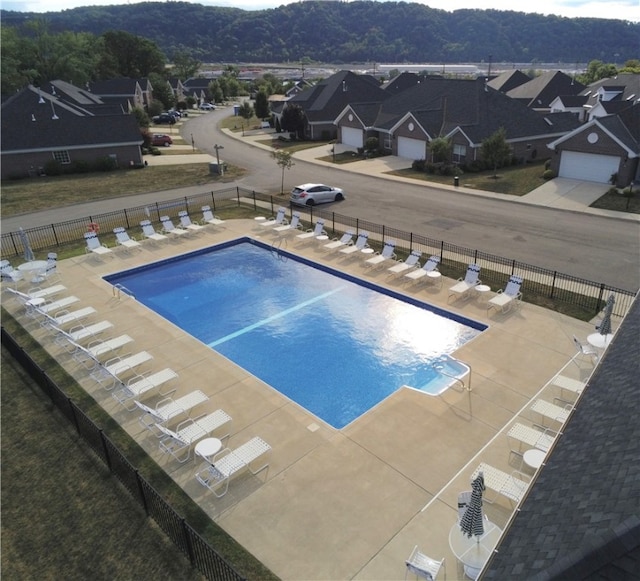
{"points": [[515, 181], [34, 194], [63, 515]]}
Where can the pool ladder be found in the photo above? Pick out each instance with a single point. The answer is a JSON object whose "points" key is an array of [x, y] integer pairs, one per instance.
{"points": [[277, 246], [456, 379], [119, 289]]}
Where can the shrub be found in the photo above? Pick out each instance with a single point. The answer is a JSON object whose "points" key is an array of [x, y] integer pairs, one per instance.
{"points": [[612, 190], [446, 170], [53, 168], [418, 165], [371, 144], [547, 164], [548, 174], [155, 151], [105, 164], [430, 168], [79, 166]]}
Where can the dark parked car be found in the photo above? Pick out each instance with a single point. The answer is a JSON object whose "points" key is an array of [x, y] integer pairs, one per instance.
{"points": [[158, 139], [164, 118]]}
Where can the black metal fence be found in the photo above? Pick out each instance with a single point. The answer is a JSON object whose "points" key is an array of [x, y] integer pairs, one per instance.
{"points": [[495, 270], [203, 556]]}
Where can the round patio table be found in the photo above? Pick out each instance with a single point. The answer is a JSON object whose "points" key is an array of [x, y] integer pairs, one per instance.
{"points": [[599, 341], [34, 268], [473, 552]]}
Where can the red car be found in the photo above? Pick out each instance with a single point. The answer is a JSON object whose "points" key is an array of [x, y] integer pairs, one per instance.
{"points": [[158, 139]]}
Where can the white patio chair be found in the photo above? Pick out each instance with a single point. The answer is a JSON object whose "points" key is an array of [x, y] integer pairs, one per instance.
{"points": [[278, 220], [464, 285], [361, 244], [345, 240], [216, 475], [208, 217], [149, 233], [388, 253], [291, 227], [511, 296], [318, 230], [409, 263], [187, 224], [51, 271], [585, 352], [422, 565], [123, 239], [178, 443], [141, 384], [168, 408], [94, 246], [428, 272]]}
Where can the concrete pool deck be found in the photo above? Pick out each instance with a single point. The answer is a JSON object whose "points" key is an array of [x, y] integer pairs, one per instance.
{"points": [[350, 503]]}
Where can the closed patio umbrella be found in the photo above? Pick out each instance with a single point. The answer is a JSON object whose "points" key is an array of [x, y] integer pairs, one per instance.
{"points": [[604, 328], [472, 521], [26, 245]]}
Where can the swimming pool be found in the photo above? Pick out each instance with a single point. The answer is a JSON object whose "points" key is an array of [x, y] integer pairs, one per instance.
{"points": [[334, 344]]}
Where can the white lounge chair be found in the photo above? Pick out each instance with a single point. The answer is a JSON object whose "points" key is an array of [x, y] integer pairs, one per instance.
{"points": [[551, 411], [584, 351], [388, 253], [65, 317], [512, 486], [279, 219], [429, 271], [511, 295], [226, 463], [123, 239], [170, 229], [187, 224], [189, 432], [521, 434], [345, 240], [79, 333], [208, 217], [318, 230], [290, 227], [361, 243], [569, 388], [168, 408], [115, 370], [141, 384], [37, 292], [93, 245], [149, 232], [422, 565], [464, 285], [48, 306], [90, 355], [408, 263]]}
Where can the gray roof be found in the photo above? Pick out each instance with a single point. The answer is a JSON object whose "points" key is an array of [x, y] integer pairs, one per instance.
{"points": [[326, 100], [626, 85], [581, 517], [508, 80], [441, 105], [540, 91], [28, 124]]}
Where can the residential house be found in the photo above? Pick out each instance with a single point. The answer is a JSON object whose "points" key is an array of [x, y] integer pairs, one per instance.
{"points": [[177, 88], [539, 92], [400, 83], [198, 88], [466, 111], [605, 149], [323, 102], [128, 93], [604, 97], [39, 126]]}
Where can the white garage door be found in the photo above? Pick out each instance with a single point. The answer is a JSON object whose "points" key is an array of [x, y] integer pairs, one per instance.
{"points": [[352, 136], [588, 167], [411, 148]]}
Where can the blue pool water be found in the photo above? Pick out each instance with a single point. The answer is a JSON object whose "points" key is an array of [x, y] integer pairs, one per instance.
{"points": [[334, 344]]}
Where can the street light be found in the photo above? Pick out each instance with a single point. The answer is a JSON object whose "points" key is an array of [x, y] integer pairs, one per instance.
{"points": [[218, 148]]}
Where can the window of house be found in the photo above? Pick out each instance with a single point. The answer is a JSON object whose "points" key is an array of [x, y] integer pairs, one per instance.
{"points": [[459, 152], [62, 156], [387, 141]]}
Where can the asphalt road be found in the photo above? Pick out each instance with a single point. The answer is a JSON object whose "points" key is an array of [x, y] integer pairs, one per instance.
{"points": [[598, 248]]}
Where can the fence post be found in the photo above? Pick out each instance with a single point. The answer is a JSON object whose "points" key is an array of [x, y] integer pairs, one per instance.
{"points": [[600, 299], [553, 284], [55, 234], [143, 498], [126, 219], [187, 538], [106, 450]]}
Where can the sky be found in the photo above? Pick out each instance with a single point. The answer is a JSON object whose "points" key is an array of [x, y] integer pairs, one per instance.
{"points": [[616, 9]]}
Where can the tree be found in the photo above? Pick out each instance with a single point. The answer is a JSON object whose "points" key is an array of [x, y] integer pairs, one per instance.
{"points": [[141, 117], [293, 119], [284, 160], [441, 149], [262, 105], [246, 110], [495, 150], [597, 70], [162, 91], [131, 56], [184, 66]]}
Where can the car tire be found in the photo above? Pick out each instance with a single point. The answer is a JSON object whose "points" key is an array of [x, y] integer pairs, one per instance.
{"points": [[166, 144], [311, 202], [339, 197]]}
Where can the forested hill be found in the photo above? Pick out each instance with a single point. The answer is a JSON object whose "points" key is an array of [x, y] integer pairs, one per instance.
{"points": [[339, 32]]}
